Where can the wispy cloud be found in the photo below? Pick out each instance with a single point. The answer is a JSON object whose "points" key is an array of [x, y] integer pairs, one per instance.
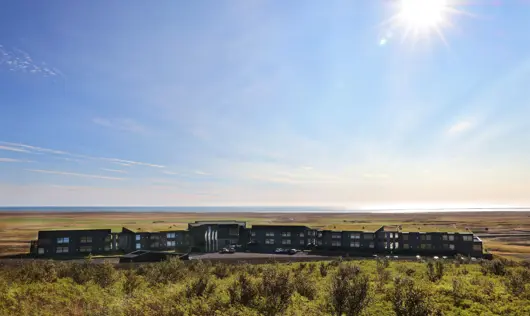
{"points": [[13, 160], [171, 173], [13, 149], [130, 162], [202, 173], [122, 124], [17, 60], [114, 170], [29, 148], [460, 127], [83, 175], [34, 149]]}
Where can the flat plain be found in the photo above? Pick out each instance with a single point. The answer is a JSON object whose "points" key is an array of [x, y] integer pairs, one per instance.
{"points": [[505, 233]]}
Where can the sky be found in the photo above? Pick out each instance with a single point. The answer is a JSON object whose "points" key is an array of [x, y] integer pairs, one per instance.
{"points": [[249, 102]]}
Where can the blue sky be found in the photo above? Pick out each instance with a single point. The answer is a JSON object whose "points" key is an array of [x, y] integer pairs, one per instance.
{"points": [[263, 103]]}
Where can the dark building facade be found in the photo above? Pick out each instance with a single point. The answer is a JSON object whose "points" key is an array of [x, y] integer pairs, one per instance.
{"points": [[68, 242], [212, 236]]}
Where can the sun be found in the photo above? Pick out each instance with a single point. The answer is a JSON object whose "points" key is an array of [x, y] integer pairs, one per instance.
{"points": [[420, 19], [422, 15]]}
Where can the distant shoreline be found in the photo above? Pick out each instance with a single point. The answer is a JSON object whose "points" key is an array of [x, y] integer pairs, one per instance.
{"points": [[248, 209]]}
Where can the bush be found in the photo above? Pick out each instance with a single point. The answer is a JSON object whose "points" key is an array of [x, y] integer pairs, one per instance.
{"points": [[349, 291], [221, 270], [323, 269], [276, 289], [243, 291], [37, 271], [496, 267], [305, 285], [200, 287], [408, 299], [516, 280], [435, 270]]}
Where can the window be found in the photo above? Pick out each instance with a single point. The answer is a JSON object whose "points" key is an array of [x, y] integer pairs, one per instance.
{"points": [[391, 235], [269, 241], [405, 236], [477, 247], [171, 243], [170, 235], [428, 237], [138, 237], [336, 243], [269, 234], [467, 237], [445, 237], [427, 246], [63, 240], [451, 246], [302, 242], [371, 245], [41, 251], [422, 237], [368, 236], [405, 246], [286, 234], [319, 234], [138, 246], [154, 237], [355, 244], [253, 234], [311, 233], [422, 246], [301, 235], [336, 236], [355, 236], [156, 244], [451, 237], [61, 250], [85, 249], [286, 241], [86, 239]]}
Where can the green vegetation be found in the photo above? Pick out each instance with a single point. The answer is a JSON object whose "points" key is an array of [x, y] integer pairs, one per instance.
{"points": [[174, 287]]}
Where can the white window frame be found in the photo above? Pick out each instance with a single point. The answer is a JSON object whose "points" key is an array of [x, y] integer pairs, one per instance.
{"points": [[336, 243], [302, 235], [355, 244], [138, 246], [170, 235], [286, 241], [269, 234], [451, 237], [138, 237], [336, 235], [286, 234], [63, 240], [269, 242], [85, 249], [452, 246]]}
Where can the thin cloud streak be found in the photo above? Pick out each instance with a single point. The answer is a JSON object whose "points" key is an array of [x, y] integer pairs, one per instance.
{"points": [[13, 149], [12, 160], [83, 175], [35, 149], [114, 170], [460, 127]]}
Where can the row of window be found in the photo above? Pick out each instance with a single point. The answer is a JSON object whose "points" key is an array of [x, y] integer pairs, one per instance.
{"points": [[429, 237], [83, 240]]}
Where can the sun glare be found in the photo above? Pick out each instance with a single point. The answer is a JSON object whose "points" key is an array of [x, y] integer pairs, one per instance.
{"points": [[422, 14]]}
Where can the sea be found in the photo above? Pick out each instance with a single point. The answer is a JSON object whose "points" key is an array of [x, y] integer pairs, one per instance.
{"points": [[256, 209]]}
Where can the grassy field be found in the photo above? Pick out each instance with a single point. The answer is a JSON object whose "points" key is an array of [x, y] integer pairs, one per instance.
{"points": [[17, 228], [340, 287]]}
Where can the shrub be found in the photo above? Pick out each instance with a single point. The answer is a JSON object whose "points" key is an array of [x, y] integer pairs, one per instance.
{"points": [[435, 270], [496, 267], [200, 287], [104, 274], [305, 285], [221, 270], [276, 289], [323, 269], [132, 282], [349, 291], [516, 280], [37, 271], [408, 299], [243, 290]]}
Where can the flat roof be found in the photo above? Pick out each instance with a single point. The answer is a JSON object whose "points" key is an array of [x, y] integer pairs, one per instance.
{"points": [[219, 222], [368, 228]]}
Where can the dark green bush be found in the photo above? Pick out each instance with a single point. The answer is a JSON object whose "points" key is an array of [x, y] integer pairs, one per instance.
{"points": [[408, 299], [349, 291]]}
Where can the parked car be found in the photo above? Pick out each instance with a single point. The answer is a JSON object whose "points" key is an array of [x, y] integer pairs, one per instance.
{"points": [[435, 258], [227, 250], [292, 251], [279, 250], [418, 257]]}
